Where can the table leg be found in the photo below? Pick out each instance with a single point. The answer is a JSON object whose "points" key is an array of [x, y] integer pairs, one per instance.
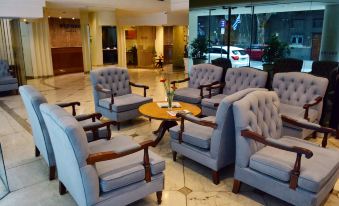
{"points": [[160, 132]]}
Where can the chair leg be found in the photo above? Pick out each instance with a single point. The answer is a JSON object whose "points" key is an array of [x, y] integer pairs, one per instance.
{"points": [[62, 188], [150, 119], [159, 196], [118, 126], [314, 135], [37, 152], [174, 154], [236, 186], [52, 172], [216, 177]]}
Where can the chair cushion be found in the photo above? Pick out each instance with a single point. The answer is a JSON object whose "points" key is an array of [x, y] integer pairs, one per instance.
{"points": [[314, 172], [117, 173], [194, 134], [189, 95], [297, 112], [8, 80], [209, 102], [125, 102]]}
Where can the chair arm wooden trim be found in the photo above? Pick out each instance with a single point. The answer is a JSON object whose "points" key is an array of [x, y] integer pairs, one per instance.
{"points": [[312, 126], [110, 155], [193, 119], [12, 71], [92, 116], [140, 86], [298, 150], [180, 81], [96, 126], [69, 104], [106, 91], [308, 105], [201, 87], [221, 86]]}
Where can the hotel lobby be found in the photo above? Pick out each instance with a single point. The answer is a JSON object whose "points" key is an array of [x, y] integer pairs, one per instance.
{"points": [[107, 103]]}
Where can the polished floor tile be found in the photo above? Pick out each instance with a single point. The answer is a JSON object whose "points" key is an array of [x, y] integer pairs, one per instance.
{"points": [[187, 183]]}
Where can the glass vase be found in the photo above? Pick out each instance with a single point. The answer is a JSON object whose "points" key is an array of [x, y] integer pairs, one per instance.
{"points": [[170, 101]]}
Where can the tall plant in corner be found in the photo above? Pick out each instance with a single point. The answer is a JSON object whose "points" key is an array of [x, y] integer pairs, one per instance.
{"points": [[198, 50], [275, 50]]}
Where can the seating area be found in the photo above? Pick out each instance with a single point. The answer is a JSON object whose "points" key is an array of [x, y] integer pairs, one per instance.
{"points": [[237, 138]]}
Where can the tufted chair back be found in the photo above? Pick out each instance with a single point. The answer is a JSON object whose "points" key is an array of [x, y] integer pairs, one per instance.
{"points": [[204, 74], [4, 68], [237, 79], [296, 88], [71, 150], [112, 78], [32, 100], [258, 112]]}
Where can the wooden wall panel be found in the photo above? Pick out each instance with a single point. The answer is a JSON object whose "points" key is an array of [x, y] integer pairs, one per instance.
{"points": [[65, 32]]}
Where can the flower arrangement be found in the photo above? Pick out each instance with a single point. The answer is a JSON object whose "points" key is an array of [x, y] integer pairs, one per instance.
{"points": [[169, 91]]}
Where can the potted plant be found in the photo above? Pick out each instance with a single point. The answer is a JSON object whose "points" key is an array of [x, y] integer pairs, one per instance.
{"points": [[274, 50], [199, 49]]}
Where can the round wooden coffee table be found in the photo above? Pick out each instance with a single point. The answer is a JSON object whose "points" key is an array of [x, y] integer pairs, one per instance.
{"points": [[153, 111]]}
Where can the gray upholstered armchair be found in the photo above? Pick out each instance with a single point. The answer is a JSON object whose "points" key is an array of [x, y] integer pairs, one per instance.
{"points": [[301, 96], [7, 77], [105, 172], [209, 140], [294, 170], [201, 77], [32, 100], [236, 79], [113, 96]]}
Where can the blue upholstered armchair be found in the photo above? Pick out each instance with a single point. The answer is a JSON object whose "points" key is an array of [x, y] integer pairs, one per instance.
{"points": [[201, 77], [113, 96], [104, 172], [294, 170], [301, 96], [210, 140], [32, 100], [7, 80], [236, 79]]}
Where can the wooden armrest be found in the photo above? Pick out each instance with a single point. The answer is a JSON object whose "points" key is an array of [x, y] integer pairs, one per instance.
{"points": [[180, 81], [106, 91], [219, 86], [104, 156], [92, 116], [95, 126], [69, 104], [12, 70], [193, 119], [201, 87], [140, 86], [312, 126], [273, 143], [308, 105]]}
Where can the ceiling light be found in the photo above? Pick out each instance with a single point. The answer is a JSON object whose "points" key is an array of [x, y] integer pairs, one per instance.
{"points": [[60, 17], [49, 16], [73, 18], [25, 20]]}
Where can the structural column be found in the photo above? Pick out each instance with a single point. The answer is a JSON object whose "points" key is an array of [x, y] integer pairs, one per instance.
{"points": [[330, 34], [85, 38]]}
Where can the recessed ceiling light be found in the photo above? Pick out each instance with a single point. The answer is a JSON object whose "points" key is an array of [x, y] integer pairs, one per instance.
{"points": [[25, 20], [73, 18], [60, 17], [49, 16]]}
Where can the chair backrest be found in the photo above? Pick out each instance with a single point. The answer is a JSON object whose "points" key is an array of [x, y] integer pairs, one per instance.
{"points": [[326, 69], [296, 88], [32, 99], [223, 137], [204, 74], [257, 112], [71, 151], [4, 67], [237, 79], [287, 65], [112, 78]]}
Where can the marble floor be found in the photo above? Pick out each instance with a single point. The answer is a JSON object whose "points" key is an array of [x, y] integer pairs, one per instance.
{"points": [[186, 182]]}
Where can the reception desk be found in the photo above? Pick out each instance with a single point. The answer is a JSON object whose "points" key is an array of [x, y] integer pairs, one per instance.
{"points": [[67, 60]]}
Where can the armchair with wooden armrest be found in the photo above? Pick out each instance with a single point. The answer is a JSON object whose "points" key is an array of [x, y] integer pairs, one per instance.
{"points": [[202, 77], [113, 96], [287, 167]]}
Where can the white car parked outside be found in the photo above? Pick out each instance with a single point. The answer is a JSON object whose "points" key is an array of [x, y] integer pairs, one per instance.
{"points": [[238, 56]]}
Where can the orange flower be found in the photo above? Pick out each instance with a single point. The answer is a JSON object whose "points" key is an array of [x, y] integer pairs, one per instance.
{"points": [[162, 80]]}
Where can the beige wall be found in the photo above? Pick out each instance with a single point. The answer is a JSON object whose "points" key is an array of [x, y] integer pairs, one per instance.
{"points": [[159, 40], [179, 37], [96, 39]]}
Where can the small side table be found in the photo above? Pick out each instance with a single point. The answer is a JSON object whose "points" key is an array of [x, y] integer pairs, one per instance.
{"points": [[153, 111]]}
